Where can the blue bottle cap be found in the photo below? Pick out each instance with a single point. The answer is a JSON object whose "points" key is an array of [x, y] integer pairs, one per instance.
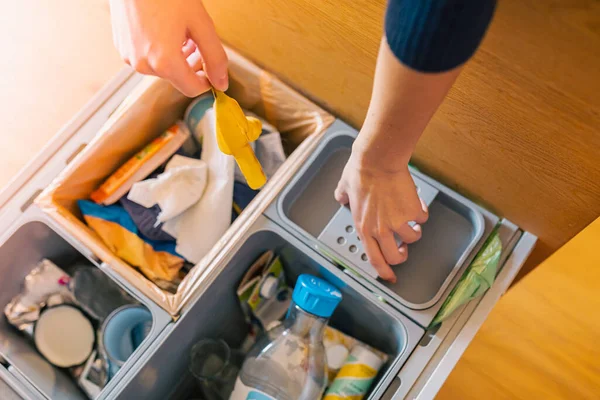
{"points": [[316, 296]]}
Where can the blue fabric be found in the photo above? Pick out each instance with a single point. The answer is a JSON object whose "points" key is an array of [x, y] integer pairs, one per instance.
{"points": [[242, 196], [117, 214], [145, 219], [436, 35]]}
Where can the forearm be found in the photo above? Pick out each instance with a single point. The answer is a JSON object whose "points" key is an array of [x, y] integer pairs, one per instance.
{"points": [[402, 103], [426, 43]]}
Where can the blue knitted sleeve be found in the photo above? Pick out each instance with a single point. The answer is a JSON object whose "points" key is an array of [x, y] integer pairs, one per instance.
{"points": [[436, 35]]}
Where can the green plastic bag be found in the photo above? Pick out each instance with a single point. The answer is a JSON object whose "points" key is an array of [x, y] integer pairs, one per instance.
{"points": [[476, 280]]}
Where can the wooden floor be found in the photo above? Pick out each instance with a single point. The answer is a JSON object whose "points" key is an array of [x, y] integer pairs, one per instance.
{"points": [[542, 341]]}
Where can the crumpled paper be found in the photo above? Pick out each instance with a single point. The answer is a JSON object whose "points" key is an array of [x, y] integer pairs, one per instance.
{"points": [[476, 280]]}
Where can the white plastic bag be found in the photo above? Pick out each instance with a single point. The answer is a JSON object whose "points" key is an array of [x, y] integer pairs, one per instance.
{"points": [[199, 228]]}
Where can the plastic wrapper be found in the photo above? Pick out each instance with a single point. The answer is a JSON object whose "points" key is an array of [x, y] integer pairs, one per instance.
{"points": [[142, 164], [93, 375], [263, 295], [96, 293], [45, 285], [356, 375], [152, 107], [476, 280]]}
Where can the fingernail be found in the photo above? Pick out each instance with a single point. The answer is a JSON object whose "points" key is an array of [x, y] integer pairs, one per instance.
{"points": [[223, 83], [417, 228], [402, 249]]}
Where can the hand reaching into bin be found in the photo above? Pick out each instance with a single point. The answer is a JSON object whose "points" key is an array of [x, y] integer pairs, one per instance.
{"points": [[172, 39], [376, 182], [425, 45]]}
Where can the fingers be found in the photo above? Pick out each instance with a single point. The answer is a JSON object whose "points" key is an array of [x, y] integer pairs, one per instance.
{"points": [[190, 81], [377, 260], [403, 250], [195, 61], [423, 215], [141, 65], [203, 33], [392, 254], [341, 195], [176, 69], [409, 234], [189, 47]]}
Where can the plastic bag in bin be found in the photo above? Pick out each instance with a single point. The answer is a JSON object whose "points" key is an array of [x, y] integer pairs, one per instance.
{"points": [[476, 280]]}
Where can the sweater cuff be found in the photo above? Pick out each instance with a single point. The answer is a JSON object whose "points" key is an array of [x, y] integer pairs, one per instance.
{"points": [[436, 35]]}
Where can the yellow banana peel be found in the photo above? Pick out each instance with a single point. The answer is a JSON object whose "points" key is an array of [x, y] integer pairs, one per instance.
{"points": [[235, 132]]}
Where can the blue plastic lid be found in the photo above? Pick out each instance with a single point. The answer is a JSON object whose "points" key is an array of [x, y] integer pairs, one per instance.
{"points": [[316, 296]]}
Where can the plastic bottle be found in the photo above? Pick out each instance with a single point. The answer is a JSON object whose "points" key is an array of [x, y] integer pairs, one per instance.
{"points": [[289, 362]]}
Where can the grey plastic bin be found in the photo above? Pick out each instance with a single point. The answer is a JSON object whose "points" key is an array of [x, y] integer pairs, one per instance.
{"points": [[11, 388], [160, 368], [360, 314], [456, 229], [372, 311], [32, 240]]}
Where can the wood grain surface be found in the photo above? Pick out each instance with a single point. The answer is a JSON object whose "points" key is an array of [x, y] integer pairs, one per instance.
{"points": [[536, 77], [519, 132], [541, 341]]}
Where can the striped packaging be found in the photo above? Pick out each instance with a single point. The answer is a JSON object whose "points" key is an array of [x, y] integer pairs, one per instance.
{"points": [[356, 376]]}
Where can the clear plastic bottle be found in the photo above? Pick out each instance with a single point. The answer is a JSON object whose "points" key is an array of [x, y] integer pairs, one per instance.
{"points": [[289, 362]]}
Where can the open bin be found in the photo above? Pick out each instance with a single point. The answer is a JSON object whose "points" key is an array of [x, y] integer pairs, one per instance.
{"points": [[150, 109], [32, 239], [456, 229], [298, 204], [165, 373]]}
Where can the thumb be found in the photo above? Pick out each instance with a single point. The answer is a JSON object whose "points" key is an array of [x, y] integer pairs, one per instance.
{"points": [[341, 194]]}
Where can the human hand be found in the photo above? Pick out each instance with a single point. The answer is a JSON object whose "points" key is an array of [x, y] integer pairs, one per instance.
{"points": [[383, 202], [172, 39]]}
